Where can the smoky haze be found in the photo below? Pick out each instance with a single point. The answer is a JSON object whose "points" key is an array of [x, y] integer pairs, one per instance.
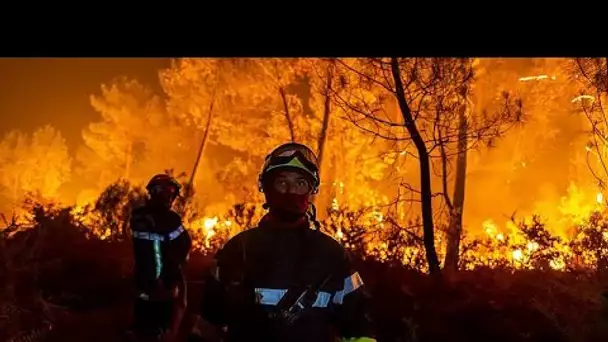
{"points": [[39, 91]]}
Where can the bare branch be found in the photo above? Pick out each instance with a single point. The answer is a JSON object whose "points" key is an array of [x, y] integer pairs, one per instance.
{"points": [[287, 116]]}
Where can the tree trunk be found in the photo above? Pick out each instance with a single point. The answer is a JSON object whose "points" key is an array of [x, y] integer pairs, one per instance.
{"points": [[326, 119], [321, 142], [14, 199], [292, 132], [199, 157], [606, 79], [128, 160], [425, 171], [455, 226]]}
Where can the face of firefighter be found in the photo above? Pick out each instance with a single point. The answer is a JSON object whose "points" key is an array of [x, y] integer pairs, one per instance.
{"points": [[162, 197], [291, 182], [288, 195]]}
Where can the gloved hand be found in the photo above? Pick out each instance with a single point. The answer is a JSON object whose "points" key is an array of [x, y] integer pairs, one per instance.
{"points": [[358, 339]]}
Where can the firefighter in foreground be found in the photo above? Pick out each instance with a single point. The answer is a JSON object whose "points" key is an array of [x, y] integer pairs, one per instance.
{"points": [[283, 281], [161, 246]]}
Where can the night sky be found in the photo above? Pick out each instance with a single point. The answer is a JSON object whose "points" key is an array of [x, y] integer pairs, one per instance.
{"points": [[39, 91]]}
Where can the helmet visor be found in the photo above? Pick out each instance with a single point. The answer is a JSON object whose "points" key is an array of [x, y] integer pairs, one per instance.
{"points": [[295, 156], [165, 189], [290, 150]]}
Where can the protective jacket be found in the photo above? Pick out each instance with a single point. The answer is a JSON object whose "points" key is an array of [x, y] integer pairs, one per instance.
{"points": [[257, 267], [161, 246]]}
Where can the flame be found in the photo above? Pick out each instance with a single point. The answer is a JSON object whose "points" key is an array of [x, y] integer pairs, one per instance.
{"points": [[583, 97], [506, 242], [517, 255], [339, 234], [205, 229], [537, 78], [490, 228], [334, 204], [532, 246], [575, 205], [357, 200], [557, 264]]}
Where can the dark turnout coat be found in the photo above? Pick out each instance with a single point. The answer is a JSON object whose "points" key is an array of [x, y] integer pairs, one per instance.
{"points": [[160, 245], [255, 269]]}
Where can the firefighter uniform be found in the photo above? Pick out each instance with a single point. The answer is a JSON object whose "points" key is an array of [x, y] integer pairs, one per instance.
{"points": [[160, 248], [255, 269]]}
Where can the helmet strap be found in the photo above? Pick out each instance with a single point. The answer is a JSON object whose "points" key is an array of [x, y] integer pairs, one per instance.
{"points": [[312, 215]]}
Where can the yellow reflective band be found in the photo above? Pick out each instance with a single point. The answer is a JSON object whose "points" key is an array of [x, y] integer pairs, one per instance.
{"points": [[294, 162], [359, 339]]}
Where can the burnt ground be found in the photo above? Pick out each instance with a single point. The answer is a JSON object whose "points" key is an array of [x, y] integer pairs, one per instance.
{"points": [[60, 286]]}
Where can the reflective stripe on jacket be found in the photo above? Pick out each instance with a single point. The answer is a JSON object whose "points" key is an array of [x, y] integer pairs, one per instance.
{"points": [[254, 271]]}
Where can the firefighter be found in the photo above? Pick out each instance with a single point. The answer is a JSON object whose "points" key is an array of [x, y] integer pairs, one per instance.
{"points": [[284, 280], [161, 247]]}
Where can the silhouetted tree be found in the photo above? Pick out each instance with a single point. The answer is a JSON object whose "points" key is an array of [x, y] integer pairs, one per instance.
{"points": [[38, 164], [431, 97]]}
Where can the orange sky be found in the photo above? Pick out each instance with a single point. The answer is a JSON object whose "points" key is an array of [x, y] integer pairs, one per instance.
{"points": [[38, 91]]}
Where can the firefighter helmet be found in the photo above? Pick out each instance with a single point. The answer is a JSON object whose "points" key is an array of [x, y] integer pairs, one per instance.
{"points": [[291, 156], [163, 184]]}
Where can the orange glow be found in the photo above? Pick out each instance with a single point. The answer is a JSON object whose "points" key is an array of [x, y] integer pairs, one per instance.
{"points": [[538, 167], [537, 78], [583, 97]]}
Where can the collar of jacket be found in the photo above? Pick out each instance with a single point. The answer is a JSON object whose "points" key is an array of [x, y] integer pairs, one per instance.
{"points": [[269, 221]]}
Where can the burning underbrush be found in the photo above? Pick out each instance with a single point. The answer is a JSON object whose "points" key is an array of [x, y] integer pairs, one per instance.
{"points": [[66, 272]]}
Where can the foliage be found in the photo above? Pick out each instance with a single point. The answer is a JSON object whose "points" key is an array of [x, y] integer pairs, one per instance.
{"points": [[590, 245], [39, 164], [66, 278], [53, 271], [271, 100], [243, 101], [115, 205], [108, 217], [132, 137], [592, 74]]}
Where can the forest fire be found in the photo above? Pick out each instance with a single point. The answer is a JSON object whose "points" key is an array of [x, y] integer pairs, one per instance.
{"points": [[465, 189], [524, 245], [530, 198], [205, 229]]}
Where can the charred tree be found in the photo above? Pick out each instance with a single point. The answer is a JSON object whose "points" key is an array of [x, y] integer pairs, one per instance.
{"points": [[594, 75], [292, 132], [199, 156], [459, 129], [457, 203], [425, 170], [128, 160], [430, 117], [326, 115]]}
